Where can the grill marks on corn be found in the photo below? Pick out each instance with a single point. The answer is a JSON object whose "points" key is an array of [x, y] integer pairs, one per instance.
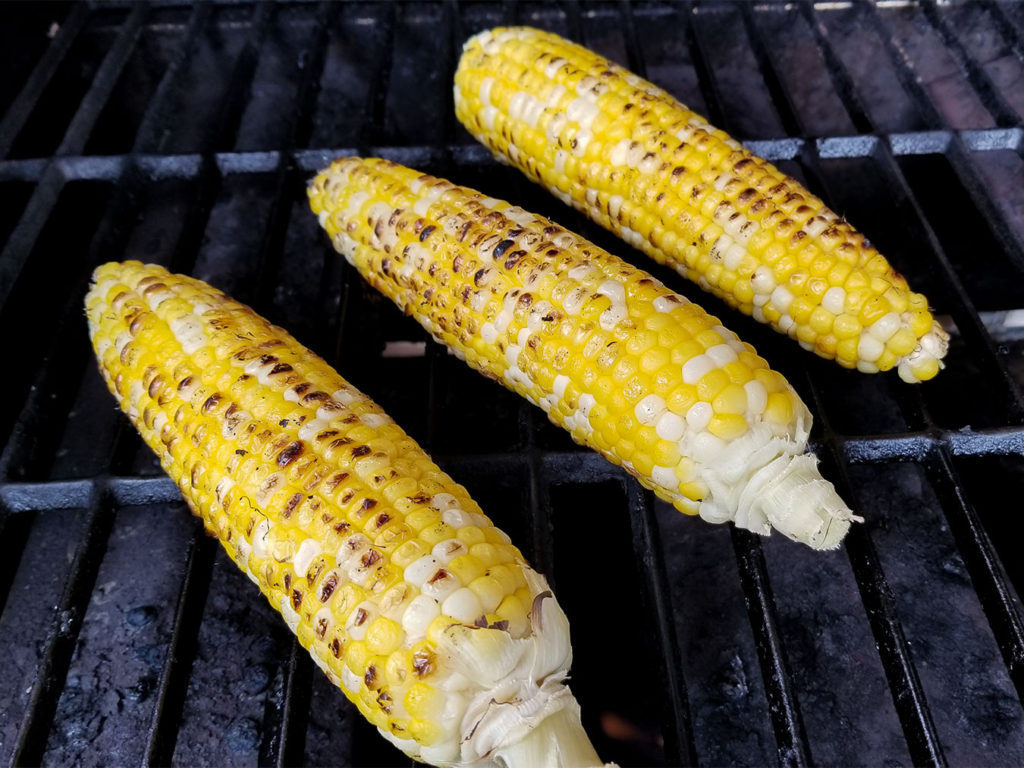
{"points": [[644, 166], [311, 488]]}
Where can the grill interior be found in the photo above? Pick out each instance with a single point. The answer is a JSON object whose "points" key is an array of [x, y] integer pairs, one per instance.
{"points": [[185, 134]]}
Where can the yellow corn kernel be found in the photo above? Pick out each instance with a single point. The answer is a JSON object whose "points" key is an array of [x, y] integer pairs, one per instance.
{"points": [[425, 732], [731, 400], [383, 637], [902, 342], [471, 535], [682, 398], [846, 326], [926, 370], [694, 490], [919, 320], [466, 567], [423, 702], [489, 591], [727, 425], [711, 384], [846, 351], [873, 309], [779, 409]]}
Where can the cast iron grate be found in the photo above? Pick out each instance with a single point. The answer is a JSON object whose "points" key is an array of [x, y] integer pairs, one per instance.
{"points": [[184, 135]]}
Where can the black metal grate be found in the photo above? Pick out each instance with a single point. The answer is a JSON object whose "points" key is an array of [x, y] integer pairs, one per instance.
{"points": [[184, 135]]}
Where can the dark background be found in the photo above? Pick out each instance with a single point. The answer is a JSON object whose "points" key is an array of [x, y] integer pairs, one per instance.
{"points": [[185, 134]]}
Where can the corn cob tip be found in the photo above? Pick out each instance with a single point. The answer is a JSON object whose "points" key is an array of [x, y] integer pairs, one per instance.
{"points": [[799, 503], [925, 361]]}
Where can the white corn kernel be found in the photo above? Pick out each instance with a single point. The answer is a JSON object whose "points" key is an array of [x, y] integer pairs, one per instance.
{"points": [[440, 584], [699, 416], [696, 368], [670, 426], [834, 299], [721, 355], [885, 326], [308, 549], [757, 397], [417, 617], [464, 605], [448, 550], [418, 571], [360, 619], [649, 410], [869, 349]]}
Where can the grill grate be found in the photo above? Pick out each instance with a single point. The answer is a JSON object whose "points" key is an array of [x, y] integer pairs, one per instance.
{"points": [[184, 135]]}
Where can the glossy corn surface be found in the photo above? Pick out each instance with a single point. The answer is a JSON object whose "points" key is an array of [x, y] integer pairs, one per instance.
{"points": [[655, 173], [405, 594], [628, 367]]}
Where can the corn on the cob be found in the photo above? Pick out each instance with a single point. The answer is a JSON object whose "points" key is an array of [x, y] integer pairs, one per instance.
{"points": [[641, 164], [403, 592], [631, 369]]}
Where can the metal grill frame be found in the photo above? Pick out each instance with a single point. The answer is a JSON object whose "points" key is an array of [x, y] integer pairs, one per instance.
{"points": [[31, 487]]}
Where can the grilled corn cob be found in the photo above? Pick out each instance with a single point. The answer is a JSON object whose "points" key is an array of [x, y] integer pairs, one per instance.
{"points": [[641, 164], [404, 593], [631, 369]]}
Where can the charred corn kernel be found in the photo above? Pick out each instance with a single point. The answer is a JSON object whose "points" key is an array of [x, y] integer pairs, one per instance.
{"points": [[438, 251], [280, 456], [646, 167]]}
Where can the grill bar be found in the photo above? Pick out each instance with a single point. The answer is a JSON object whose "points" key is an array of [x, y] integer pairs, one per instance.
{"points": [[680, 745], [904, 71], [286, 744], [19, 111], [172, 685], [1007, 28], [983, 564], [156, 111], [82, 123], [791, 740], [980, 81], [379, 76], [908, 696], [185, 166], [959, 157], [60, 642]]}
